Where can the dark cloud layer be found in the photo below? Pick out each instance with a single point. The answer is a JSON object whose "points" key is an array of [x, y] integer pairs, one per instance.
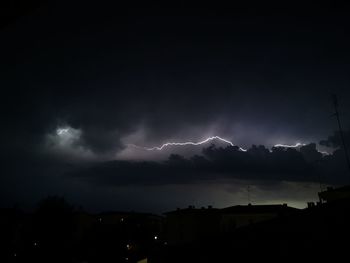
{"points": [[217, 163], [335, 140]]}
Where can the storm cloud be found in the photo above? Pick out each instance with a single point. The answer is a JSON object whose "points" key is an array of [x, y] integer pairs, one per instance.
{"points": [[110, 75], [81, 82], [218, 163]]}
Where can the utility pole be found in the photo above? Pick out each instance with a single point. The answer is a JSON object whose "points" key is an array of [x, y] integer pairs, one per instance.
{"points": [[336, 113]]}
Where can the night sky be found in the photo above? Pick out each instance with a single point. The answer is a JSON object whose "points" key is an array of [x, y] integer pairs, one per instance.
{"points": [[86, 85]]}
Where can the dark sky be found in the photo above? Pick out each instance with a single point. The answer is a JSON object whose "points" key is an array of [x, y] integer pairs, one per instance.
{"points": [[81, 82]]}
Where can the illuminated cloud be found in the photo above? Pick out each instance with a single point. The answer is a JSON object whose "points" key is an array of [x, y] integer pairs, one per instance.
{"points": [[66, 136], [66, 142]]}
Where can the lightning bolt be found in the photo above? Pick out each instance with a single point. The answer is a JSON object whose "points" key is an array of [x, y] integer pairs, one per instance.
{"points": [[290, 146], [167, 144], [159, 148], [297, 145]]}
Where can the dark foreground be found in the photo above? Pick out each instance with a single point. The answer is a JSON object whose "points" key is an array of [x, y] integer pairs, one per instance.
{"points": [[57, 233]]}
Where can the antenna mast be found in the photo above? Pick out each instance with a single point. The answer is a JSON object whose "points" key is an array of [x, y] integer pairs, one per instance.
{"points": [[336, 113]]}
